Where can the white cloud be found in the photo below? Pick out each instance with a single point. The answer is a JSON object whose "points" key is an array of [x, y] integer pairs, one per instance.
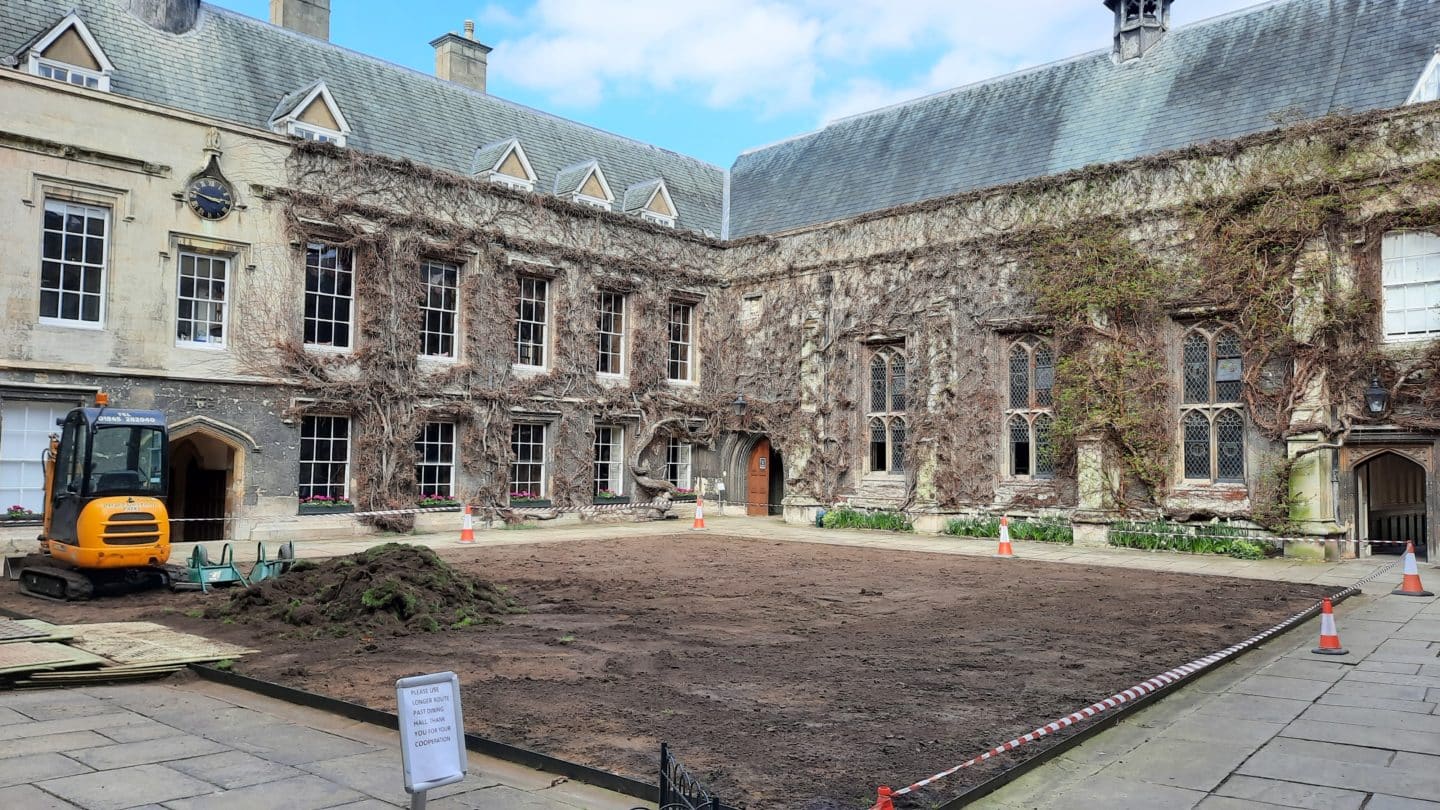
{"points": [[830, 59]]}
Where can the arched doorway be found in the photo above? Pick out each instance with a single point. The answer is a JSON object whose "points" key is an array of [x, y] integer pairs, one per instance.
{"points": [[1390, 504], [764, 480], [204, 472]]}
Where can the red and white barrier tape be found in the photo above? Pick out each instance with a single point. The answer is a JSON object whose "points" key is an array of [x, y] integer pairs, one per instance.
{"points": [[1160, 681]]}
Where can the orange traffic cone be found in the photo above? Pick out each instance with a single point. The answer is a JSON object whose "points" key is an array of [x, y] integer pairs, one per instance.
{"points": [[1410, 585], [467, 527], [1329, 638], [699, 513], [883, 802], [1004, 550]]}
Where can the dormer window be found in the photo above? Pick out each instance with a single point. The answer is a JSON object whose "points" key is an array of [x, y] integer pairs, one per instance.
{"points": [[651, 201], [504, 163], [311, 113], [584, 183], [69, 53], [1428, 87]]}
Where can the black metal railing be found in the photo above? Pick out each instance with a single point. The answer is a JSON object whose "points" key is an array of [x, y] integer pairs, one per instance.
{"points": [[679, 789]]}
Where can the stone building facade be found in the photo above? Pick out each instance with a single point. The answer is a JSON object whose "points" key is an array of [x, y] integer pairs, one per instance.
{"points": [[346, 281]]}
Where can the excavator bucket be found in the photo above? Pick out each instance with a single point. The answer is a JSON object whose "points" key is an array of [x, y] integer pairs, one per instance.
{"points": [[269, 569], [201, 573]]}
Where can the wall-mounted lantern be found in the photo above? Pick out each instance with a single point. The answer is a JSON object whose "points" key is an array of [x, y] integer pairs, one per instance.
{"points": [[1377, 399], [739, 405]]}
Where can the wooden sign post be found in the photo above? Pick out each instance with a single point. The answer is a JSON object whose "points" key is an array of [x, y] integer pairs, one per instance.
{"points": [[432, 733]]}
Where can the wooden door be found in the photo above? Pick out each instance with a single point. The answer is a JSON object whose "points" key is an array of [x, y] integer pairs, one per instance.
{"points": [[757, 487]]}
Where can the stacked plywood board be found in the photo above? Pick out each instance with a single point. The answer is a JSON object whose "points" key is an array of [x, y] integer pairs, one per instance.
{"points": [[31, 652]]}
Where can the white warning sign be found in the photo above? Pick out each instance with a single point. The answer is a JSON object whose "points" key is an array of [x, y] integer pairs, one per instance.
{"points": [[432, 730]]}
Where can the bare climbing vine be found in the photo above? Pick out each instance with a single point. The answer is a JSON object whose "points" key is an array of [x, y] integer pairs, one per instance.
{"points": [[1278, 234]]}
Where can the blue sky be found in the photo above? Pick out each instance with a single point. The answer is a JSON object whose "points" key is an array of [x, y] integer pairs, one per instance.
{"points": [[711, 78]]}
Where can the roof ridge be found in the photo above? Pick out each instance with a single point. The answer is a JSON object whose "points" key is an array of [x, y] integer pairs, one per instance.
{"points": [[256, 21]]}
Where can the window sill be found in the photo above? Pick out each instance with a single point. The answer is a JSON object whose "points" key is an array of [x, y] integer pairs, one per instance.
{"points": [[1398, 339], [438, 359], [538, 503], [326, 349], [200, 345], [624, 499], [681, 383], [64, 324], [519, 368]]}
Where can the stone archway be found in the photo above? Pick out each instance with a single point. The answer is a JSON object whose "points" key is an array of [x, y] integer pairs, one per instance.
{"points": [[207, 474], [1391, 503]]}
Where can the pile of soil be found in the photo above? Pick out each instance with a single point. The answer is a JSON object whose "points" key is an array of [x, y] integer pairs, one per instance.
{"points": [[391, 589]]}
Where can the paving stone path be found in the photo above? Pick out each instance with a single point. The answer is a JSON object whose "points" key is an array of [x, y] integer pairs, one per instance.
{"points": [[201, 746], [1281, 727]]}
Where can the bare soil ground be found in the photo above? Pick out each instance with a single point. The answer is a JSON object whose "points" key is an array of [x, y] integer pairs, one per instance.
{"points": [[788, 675]]}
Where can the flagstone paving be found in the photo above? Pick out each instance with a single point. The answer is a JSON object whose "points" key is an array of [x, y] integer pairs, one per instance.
{"points": [[1281, 727], [202, 746]]}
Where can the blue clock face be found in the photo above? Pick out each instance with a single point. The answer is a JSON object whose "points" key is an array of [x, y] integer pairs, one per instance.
{"points": [[209, 198]]}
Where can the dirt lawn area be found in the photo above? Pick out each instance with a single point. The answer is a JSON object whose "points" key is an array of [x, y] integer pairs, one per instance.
{"points": [[788, 675]]}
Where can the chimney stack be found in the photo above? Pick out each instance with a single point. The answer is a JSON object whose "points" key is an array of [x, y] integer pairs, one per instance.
{"points": [[174, 16], [461, 60], [1139, 26], [309, 17]]}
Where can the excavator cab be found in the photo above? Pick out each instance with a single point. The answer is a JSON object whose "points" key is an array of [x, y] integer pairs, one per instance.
{"points": [[105, 516]]}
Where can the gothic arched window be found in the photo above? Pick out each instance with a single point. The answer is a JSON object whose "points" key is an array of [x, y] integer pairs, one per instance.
{"points": [[885, 418], [1029, 452], [1212, 423]]}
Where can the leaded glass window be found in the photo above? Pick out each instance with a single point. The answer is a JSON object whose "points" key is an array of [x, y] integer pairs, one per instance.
{"points": [[1019, 445], [1028, 419], [1212, 424], [1229, 446], [886, 420], [1044, 450]]}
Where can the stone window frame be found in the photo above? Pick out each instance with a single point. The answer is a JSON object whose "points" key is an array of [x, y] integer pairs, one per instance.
{"points": [[310, 465], [427, 268], [196, 303], [343, 256], [1408, 274], [680, 463], [437, 477], [90, 209], [1029, 413], [617, 333], [525, 347], [1219, 407], [682, 370], [612, 469], [885, 396], [1427, 87], [542, 485]]}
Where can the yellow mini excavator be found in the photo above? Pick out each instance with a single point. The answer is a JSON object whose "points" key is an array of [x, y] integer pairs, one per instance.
{"points": [[106, 526]]}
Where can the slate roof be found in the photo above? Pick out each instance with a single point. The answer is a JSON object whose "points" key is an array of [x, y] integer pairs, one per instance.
{"points": [[237, 68], [1221, 78]]}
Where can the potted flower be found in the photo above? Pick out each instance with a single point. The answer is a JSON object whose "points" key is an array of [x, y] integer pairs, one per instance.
{"points": [[684, 494], [325, 504], [610, 496], [435, 500], [525, 497], [18, 512]]}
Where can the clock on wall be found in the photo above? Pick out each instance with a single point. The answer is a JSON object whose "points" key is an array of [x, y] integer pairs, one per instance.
{"points": [[209, 197], [208, 193]]}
